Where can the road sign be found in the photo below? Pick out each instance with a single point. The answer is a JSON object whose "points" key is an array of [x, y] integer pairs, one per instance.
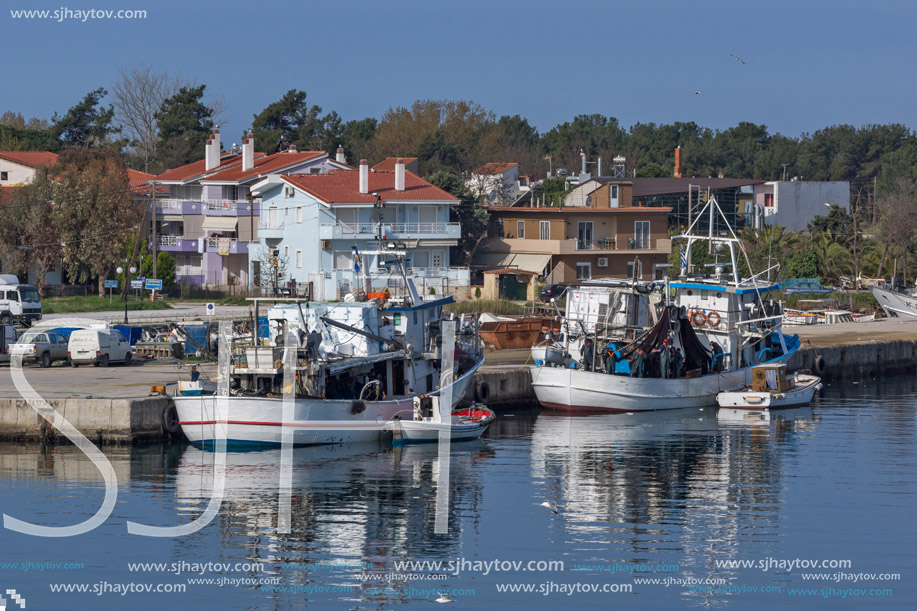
{"points": [[136, 284], [211, 309], [153, 284], [111, 284]]}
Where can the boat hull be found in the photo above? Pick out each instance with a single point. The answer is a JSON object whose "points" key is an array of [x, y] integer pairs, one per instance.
{"points": [[585, 392], [259, 420], [806, 386], [895, 304], [427, 432]]}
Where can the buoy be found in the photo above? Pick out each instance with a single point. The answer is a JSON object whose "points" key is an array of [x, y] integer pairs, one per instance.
{"points": [[710, 318], [699, 318]]}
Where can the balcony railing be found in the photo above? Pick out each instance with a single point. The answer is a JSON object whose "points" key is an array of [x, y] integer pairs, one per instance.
{"points": [[168, 240], [583, 244], [389, 230], [212, 243]]}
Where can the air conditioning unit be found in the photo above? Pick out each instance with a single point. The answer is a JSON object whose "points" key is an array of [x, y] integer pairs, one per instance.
{"points": [[602, 261], [288, 191], [326, 244]]}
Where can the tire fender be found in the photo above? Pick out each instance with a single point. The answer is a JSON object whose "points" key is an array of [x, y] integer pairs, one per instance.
{"points": [[482, 391], [818, 365], [170, 423]]}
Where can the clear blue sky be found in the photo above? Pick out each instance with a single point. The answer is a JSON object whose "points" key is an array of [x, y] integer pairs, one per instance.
{"points": [[808, 64]]}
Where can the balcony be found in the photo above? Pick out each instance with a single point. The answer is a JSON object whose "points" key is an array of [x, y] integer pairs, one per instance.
{"points": [[212, 207], [176, 243], [268, 230], [235, 246], [391, 231], [573, 245]]}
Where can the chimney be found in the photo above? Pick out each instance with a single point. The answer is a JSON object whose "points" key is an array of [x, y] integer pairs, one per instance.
{"points": [[212, 150], [364, 176], [291, 148], [340, 158], [678, 162], [399, 174], [248, 152], [598, 170]]}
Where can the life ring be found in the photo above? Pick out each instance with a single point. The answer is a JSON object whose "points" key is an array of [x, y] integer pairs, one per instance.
{"points": [[818, 365], [170, 423], [710, 317], [699, 318], [483, 391]]}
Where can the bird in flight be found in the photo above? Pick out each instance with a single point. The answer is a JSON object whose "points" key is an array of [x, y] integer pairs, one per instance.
{"points": [[697, 93], [737, 58]]}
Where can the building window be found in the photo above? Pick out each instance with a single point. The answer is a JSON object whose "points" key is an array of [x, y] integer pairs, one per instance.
{"points": [[630, 270], [315, 170], [299, 214], [768, 200], [4, 175], [583, 271], [232, 193], [613, 202], [520, 229], [544, 230], [298, 258], [641, 234], [436, 258], [286, 251]]}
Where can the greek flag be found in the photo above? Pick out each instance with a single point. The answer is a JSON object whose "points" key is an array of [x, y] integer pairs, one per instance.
{"points": [[684, 259], [356, 259]]}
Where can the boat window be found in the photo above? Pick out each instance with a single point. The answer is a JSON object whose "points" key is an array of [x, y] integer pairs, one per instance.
{"points": [[690, 292], [397, 319], [704, 294], [415, 318]]}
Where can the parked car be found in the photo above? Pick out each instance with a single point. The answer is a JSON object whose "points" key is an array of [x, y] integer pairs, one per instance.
{"points": [[808, 287], [552, 291], [99, 347], [43, 347], [8, 337]]}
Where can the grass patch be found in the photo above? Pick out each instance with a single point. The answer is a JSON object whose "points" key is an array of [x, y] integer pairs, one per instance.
{"points": [[494, 306], [228, 301], [76, 305]]}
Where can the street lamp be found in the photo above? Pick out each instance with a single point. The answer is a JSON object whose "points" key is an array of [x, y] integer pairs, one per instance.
{"points": [[132, 269]]}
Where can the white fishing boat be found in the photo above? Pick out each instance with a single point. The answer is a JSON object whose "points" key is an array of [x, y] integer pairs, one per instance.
{"points": [[895, 304], [428, 423], [720, 326], [334, 372], [772, 389]]}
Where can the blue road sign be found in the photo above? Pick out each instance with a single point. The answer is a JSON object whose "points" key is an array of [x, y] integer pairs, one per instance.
{"points": [[111, 284], [153, 284]]}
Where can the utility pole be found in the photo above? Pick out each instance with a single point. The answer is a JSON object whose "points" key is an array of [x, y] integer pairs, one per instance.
{"points": [[153, 198]]}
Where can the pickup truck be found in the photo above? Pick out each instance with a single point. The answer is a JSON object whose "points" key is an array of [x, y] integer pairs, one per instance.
{"points": [[45, 348]]}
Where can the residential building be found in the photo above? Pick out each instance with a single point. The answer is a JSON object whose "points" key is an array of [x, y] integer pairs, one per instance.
{"points": [[794, 204], [323, 224], [209, 220], [498, 183], [17, 168], [570, 243], [388, 165]]}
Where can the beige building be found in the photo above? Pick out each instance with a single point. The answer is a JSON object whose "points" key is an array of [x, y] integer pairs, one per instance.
{"points": [[567, 244]]}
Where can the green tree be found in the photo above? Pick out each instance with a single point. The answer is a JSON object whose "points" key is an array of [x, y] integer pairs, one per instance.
{"points": [[93, 212], [653, 170], [802, 264], [86, 124], [291, 120], [474, 220], [356, 138], [184, 124], [29, 239]]}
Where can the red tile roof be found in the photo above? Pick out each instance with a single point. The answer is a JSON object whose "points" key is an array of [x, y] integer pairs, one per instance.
{"points": [[494, 168], [197, 168], [388, 164], [139, 185], [343, 186], [32, 159], [268, 164]]}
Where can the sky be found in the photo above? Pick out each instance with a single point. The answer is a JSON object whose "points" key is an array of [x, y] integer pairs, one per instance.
{"points": [[808, 64]]}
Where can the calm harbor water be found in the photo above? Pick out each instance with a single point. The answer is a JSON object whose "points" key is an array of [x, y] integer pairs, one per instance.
{"points": [[721, 515]]}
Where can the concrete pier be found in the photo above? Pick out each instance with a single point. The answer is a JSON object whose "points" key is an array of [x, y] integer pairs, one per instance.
{"points": [[113, 405]]}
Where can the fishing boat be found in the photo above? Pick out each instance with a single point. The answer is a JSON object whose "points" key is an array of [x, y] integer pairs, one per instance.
{"points": [[903, 305], [333, 372], [196, 388], [772, 389], [428, 423], [715, 330]]}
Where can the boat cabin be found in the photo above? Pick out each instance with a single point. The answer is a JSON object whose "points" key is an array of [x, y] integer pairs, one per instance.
{"points": [[771, 378]]}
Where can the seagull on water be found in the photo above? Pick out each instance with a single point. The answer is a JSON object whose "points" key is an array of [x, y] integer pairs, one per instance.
{"points": [[444, 598], [550, 505], [737, 58]]}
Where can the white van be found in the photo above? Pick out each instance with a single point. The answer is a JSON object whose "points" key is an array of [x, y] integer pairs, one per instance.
{"points": [[99, 347], [18, 302]]}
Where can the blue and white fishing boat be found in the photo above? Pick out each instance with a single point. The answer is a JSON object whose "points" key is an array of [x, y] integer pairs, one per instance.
{"points": [[722, 325]]}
